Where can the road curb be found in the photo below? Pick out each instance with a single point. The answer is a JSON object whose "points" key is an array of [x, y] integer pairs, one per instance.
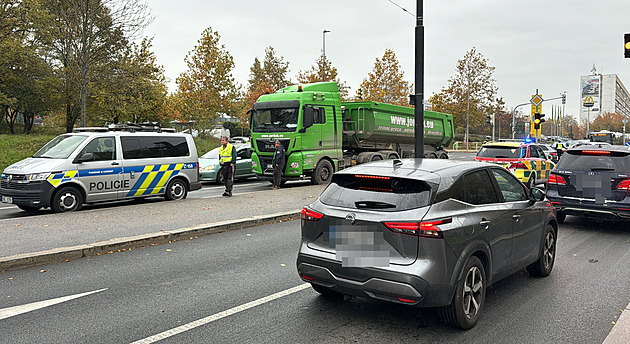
{"points": [[620, 333], [20, 261]]}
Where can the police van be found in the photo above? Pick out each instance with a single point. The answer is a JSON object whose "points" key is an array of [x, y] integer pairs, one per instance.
{"points": [[94, 165]]}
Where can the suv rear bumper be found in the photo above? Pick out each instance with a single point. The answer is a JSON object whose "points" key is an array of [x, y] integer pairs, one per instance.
{"points": [[574, 206], [373, 283]]}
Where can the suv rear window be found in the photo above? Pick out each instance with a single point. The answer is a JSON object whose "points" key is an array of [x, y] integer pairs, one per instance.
{"points": [[501, 152], [595, 160], [386, 194]]}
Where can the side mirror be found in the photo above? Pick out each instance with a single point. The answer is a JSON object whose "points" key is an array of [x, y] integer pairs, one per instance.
{"points": [[84, 158], [308, 116], [536, 195]]}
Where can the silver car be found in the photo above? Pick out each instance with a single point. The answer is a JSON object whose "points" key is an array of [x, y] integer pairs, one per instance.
{"points": [[425, 232]]}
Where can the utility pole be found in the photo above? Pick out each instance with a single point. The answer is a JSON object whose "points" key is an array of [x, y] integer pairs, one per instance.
{"points": [[324, 54], [419, 80]]}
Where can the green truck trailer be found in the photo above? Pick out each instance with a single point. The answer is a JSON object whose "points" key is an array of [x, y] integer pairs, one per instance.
{"points": [[321, 134]]}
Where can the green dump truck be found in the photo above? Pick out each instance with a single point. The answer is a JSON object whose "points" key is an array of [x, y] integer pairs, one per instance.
{"points": [[321, 134]]}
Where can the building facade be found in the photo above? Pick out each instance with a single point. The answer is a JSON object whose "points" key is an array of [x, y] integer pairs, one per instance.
{"points": [[607, 94]]}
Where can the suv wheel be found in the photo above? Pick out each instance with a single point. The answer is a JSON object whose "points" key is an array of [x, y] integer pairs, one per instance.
{"points": [[66, 199], [542, 267], [469, 297], [175, 190]]}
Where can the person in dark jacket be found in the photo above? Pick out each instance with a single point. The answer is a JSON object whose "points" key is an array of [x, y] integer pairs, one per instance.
{"points": [[279, 157]]}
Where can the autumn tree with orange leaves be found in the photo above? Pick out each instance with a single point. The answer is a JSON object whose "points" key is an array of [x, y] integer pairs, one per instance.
{"points": [[207, 89], [317, 71], [386, 83]]}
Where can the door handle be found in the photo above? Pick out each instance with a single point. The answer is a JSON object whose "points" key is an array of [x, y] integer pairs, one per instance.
{"points": [[516, 217], [115, 163], [484, 223]]}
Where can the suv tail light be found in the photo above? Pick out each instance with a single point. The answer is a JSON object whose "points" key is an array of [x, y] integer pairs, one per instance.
{"points": [[310, 215], [424, 229], [596, 152], [556, 179], [624, 185]]}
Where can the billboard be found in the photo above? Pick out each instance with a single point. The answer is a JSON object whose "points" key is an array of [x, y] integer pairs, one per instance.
{"points": [[591, 86]]}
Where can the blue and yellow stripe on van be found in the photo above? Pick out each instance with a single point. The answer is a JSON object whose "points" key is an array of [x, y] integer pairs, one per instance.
{"points": [[153, 178], [57, 178]]}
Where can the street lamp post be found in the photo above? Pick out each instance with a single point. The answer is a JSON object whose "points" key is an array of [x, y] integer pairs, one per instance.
{"points": [[324, 54], [513, 118]]}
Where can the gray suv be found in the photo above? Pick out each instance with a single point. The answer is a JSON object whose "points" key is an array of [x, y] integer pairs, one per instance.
{"points": [[426, 233]]}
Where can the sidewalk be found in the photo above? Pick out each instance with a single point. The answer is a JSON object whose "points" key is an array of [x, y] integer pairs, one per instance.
{"points": [[50, 238]]}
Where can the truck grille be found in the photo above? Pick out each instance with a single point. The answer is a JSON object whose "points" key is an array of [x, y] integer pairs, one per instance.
{"points": [[268, 145], [13, 182]]}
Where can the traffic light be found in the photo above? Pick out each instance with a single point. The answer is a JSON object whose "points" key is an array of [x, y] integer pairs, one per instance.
{"points": [[626, 45], [488, 119], [359, 94], [538, 119]]}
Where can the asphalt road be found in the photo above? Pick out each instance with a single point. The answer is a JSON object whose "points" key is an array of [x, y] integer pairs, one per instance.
{"points": [[201, 291]]}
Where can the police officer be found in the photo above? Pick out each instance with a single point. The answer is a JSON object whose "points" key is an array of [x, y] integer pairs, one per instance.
{"points": [[559, 146], [279, 157], [227, 160]]}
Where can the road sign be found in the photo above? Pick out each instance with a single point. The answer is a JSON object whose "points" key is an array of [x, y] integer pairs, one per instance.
{"points": [[537, 99], [588, 101], [624, 120]]}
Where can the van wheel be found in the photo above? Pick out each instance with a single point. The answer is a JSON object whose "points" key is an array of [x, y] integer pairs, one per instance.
{"points": [[66, 199], [323, 172], [469, 297], [176, 190], [542, 267]]}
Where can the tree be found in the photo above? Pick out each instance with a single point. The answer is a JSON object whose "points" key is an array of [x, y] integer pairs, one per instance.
{"points": [[608, 121], [133, 88], [317, 71], [208, 88], [473, 85], [385, 83], [271, 74], [83, 34]]}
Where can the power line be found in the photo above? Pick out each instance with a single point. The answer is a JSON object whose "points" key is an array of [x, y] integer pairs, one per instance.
{"points": [[411, 14]]}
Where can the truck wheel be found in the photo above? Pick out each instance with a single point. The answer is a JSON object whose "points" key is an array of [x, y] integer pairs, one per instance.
{"points": [[376, 157], [431, 155], [66, 199], [176, 190], [442, 155], [323, 172]]}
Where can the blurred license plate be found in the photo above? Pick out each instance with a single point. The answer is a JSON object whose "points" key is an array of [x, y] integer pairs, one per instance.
{"points": [[7, 199]]}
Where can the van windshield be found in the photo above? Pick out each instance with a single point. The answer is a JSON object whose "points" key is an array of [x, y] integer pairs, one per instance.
{"points": [[60, 147]]}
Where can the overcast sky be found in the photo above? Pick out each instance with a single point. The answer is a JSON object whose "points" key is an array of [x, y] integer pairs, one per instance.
{"points": [[544, 45]]}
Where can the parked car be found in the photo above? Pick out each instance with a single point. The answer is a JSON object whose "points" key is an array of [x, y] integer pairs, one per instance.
{"points": [[527, 161], [209, 164], [425, 233], [592, 180]]}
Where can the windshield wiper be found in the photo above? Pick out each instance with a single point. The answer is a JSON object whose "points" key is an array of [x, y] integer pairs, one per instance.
{"points": [[373, 205]]}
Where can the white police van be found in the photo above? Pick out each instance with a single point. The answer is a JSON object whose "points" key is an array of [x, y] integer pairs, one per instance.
{"points": [[94, 165]]}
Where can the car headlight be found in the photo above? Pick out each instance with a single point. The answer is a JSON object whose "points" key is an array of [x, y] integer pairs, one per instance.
{"points": [[36, 177], [208, 168]]}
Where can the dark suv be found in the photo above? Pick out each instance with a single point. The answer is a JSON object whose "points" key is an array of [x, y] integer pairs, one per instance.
{"points": [[592, 180], [425, 232]]}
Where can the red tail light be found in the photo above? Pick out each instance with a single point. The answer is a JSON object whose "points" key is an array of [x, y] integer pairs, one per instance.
{"points": [[425, 229], [596, 152], [310, 215], [370, 177], [556, 179], [624, 185], [518, 165]]}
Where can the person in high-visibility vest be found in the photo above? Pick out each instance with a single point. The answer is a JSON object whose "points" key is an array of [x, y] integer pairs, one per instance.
{"points": [[227, 160], [559, 148]]}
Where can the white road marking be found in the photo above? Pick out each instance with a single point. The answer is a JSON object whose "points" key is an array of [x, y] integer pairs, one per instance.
{"points": [[220, 315], [17, 310]]}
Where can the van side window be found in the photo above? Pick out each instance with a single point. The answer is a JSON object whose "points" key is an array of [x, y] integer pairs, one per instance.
{"points": [[103, 149], [154, 147]]}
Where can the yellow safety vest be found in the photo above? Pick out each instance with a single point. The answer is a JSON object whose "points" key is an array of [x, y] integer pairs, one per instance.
{"points": [[225, 154]]}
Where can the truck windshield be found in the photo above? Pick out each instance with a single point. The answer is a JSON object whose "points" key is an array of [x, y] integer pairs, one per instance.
{"points": [[60, 147], [274, 120]]}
